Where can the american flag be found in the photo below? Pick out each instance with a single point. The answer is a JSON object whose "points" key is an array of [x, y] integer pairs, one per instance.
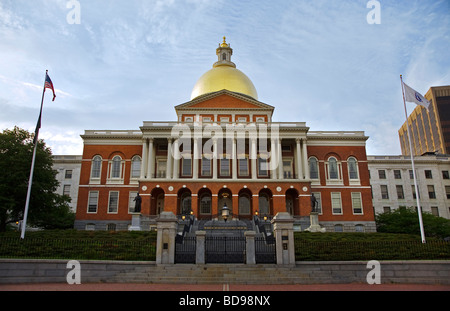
{"points": [[49, 85]]}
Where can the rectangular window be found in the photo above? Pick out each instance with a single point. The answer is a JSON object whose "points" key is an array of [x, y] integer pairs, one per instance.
{"points": [[161, 168], [186, 169], [243, 167], [287, 169], [66, 190], [262, 167], [382, 174], [113, 202], [224, 167], [435, 211], [447, 191], [131, 203], [384, 192], [397, 174], [445, 175], [431, 193], [336, 203], [428, 174], [68, 174], [93, 202], [357, 203], [386, 209], [400, 193], [206, 167]]}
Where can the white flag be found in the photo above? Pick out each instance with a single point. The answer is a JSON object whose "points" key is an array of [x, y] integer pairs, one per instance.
{"points": [[413, 96]]}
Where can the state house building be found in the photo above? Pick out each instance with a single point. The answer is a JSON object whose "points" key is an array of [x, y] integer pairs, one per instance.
{"points": [[224, 149]]}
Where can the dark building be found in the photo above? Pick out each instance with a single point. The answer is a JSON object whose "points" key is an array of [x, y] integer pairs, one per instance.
{"points": [[430, 130]]}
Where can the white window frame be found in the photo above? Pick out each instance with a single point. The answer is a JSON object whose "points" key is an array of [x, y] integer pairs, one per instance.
{"points": [[336, 203], [134, 170], [89, 203], [315, 179], [109, 202], [119, 179], [357, 199], [334, 181], [355, 180], [96, 179]]}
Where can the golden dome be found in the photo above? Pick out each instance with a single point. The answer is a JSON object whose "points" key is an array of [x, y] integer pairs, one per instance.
{"points": [[224, 75]]}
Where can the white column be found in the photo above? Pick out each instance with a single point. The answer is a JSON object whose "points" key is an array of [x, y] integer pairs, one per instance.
{"points": [[253, 157], [151, 160], [144, 159], [234, 160], [214, 159], [273, 159], [299, 163], [195, 159], [169, 159], [280, 160], [305, 159], [176, 158]]}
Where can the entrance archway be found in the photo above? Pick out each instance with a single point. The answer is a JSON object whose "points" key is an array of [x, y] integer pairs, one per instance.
{"points": [[184, 201], [204, 203], [265, 202], [157, 201], [225, 197], [292, 202], [245, 203]]}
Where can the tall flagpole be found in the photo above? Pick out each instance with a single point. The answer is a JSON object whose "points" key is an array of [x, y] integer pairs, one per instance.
{"points": [[30, 180], [419, 209]]}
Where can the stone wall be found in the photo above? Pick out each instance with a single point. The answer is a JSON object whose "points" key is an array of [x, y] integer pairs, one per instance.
{"points": [[55, 271]]}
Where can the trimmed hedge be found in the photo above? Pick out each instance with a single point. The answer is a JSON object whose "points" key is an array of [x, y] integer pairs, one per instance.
{"points": [[129, 246], [367, 246]]}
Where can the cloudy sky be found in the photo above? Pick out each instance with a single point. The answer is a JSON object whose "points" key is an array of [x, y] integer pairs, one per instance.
{"points": [[132, 61]]}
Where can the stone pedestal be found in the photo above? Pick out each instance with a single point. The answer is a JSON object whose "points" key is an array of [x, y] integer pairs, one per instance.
{"points": [[250, 247], [200, 250], [135, 222], [315, 227], [165, 239], [283, 228]]}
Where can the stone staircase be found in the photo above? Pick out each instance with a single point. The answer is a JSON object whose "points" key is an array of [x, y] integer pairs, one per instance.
{"points": [[214, 274]]}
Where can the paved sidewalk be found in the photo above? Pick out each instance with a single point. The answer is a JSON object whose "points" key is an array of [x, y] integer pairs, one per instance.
{"points": [[219, 287]]}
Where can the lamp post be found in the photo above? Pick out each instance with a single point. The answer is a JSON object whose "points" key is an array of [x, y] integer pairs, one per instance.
{"points": [[225, 212]]}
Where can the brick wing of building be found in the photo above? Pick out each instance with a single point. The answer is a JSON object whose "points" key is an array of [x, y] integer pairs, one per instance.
{"points": [[224, 149]]}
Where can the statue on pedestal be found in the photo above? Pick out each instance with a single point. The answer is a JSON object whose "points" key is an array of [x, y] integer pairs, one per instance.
{"points": [[314, 204], [137, 205]]}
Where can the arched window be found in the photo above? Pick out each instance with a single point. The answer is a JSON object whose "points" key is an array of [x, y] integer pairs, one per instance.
{"points": [[264, 204], [185, 203], [244, 204], [333, 172], [313, 168], [96, 166], [224, 56], [205, 203], [352, 168], [115, 167], [136, 167]]}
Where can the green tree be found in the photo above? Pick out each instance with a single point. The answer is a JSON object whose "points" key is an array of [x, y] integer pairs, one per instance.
{"points": [[47, 209], [405, 220]]}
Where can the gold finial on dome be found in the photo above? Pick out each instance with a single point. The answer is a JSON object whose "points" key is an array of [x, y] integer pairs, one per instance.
{"points": [[224, 43]]}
